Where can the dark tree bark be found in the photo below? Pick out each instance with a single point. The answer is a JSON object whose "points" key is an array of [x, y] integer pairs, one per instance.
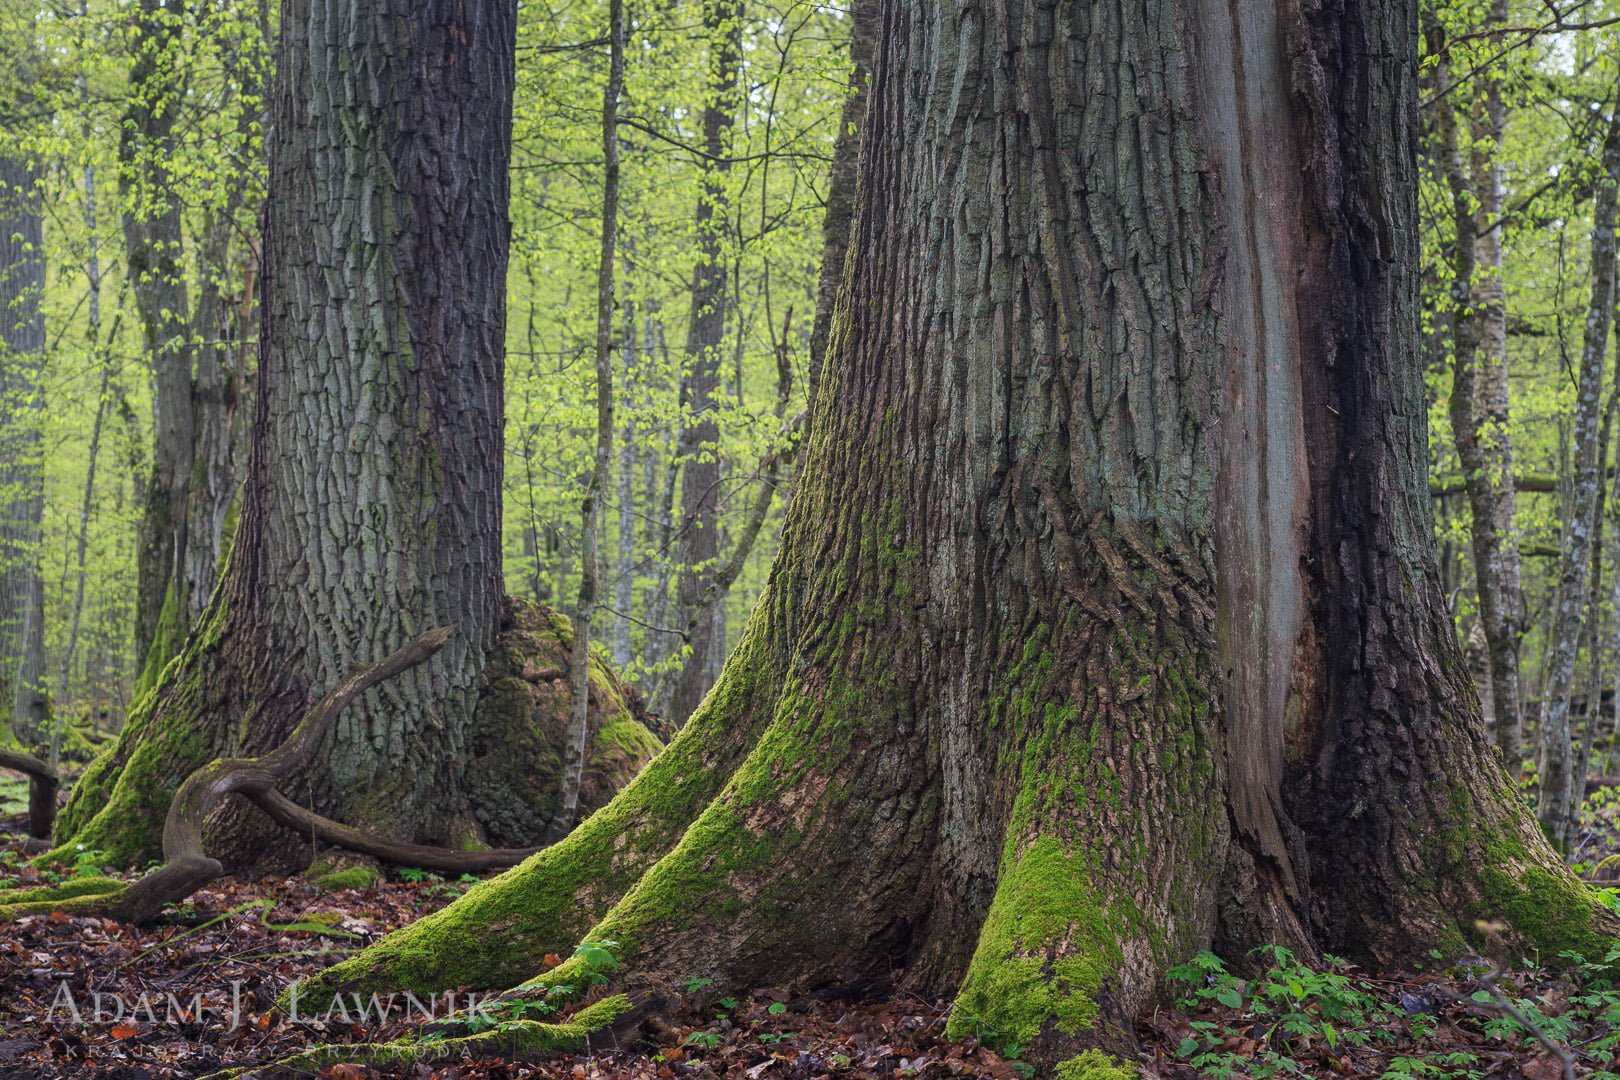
{"points": [[22, 481], [372, 505], [700, 437], [1106, 625]]}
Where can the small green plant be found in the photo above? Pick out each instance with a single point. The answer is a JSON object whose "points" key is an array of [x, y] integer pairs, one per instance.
{"points": [[694, 985], [599, 959], [707, 1039]]}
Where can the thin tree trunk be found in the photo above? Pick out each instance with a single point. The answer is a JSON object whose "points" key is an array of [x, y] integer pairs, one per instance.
{"points": [[22, 493], [625, 565], [155, 252], [841, 181], [700, 451], [579, 673], [1479, 395], [1556, 790]]}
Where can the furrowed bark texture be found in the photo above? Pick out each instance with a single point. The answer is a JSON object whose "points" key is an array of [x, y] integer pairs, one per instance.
{"points": [[22, 479], [1106, 624], [372, 505]]}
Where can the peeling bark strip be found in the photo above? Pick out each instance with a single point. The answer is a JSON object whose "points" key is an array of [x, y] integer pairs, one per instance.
{"points": [[1106, 625]]}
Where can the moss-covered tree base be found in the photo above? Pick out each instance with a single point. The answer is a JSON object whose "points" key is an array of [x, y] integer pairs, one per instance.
{"points": [[512, 774]]}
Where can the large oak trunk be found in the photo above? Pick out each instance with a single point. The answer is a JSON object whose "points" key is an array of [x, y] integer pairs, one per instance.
{"points": [[372, 507], [1106, 625]]}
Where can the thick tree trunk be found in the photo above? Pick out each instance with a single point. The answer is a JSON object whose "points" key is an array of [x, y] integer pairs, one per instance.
{"points": [[22, 484], [1555, 794], [700, 438], [1106, 624], [1479, 394], [372, 505]]}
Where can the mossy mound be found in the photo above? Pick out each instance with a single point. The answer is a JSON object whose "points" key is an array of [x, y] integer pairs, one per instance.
{"points": [[515, 772]]}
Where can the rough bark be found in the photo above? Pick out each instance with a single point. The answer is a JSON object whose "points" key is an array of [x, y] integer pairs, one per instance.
{"points": [[372, 504], [1106, 625], [706, 333], [22, 483], [1479, 394], [1555, 793]]}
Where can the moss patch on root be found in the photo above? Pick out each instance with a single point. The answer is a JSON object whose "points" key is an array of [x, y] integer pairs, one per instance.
{"points": [[350, 877], [515, 773], [86, 895], [495, 935], [1094, 1065], [1546, 907], [1013, 986], [510, 1039], [119, 804]]}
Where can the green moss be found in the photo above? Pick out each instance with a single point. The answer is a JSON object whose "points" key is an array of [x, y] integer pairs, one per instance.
{"points": [[167, 638], [627, 735], [351, 877], [1094, 1065], [496, 934], [1013, 985], [508, 1039], [84, 896], [119, 804], [1547, 908], [67, 890]]}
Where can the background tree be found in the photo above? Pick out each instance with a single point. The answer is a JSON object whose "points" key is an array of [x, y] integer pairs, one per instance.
{"points": [[1106, 625], [372, 507], [22, 347]]}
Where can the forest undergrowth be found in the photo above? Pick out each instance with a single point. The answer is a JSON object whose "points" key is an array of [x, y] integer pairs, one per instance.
{"points": [[197, 992]]}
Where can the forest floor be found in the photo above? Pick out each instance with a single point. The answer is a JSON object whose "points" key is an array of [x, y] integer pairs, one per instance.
{"points": [[239, 944]]}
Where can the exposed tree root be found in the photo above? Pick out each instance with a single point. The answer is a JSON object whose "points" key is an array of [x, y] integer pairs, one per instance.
{"points": [[42, 785], [509, 1038], [188, 866]]}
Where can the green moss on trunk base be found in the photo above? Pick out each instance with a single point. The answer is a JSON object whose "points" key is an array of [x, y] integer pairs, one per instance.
{"points": [[495, 935], [119, 804], [350, 877], [1094, 1065], [520, 727]]}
